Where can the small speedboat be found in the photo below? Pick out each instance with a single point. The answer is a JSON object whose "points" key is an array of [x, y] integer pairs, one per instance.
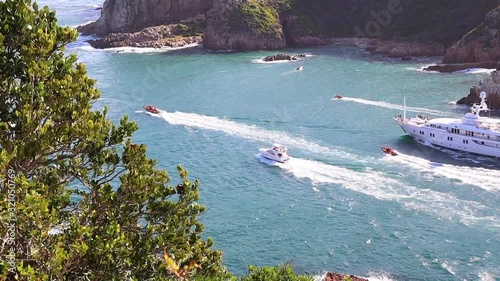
{"points": [[299, 68], [389, 150], [151, 109], [338, 97], [277, 153]]}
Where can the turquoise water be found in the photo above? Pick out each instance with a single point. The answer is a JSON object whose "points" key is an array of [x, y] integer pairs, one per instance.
{"points": [[339, 204]]}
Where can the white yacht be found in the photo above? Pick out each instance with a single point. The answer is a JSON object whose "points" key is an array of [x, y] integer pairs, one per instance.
{"points": [[472, 133], [276, 153]]}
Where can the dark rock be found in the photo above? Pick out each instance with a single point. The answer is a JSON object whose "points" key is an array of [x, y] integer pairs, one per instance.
{"points": [[452, 67], [405, 58], [98, 8], [152, 37], [489, 85], [472, 98], [332, 276], [284, 57]]}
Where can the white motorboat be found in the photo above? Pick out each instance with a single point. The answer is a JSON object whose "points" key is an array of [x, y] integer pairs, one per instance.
{"points": [[277, 153], [472, 133]]}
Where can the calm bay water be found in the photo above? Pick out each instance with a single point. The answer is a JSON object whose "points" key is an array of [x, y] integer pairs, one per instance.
{"points": [[340, 204]]}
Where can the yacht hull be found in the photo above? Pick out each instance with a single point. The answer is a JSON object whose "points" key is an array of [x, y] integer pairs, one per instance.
{"points": [[442, 137]]}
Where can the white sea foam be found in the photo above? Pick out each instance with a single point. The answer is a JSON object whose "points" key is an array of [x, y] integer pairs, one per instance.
{"points": [[378, 276], [382, 187], [486, 276], [252, 132], [446, 265], [393, 106], [486, 179], [475, 70], [369, 182], [421, 69], [89, 48], [77, 25], [371, 277], [465, 71]]}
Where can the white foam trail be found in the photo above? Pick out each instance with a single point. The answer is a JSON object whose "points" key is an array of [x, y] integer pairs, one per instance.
{"points": [[486, 276], [393, 106], [135, 49], [252, 132], [446, 265], [486, 179], [291, 71], [382, 187]]}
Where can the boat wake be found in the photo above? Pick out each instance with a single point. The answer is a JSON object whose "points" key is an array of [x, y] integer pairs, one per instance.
{"points": [[394, 106], [253, 132], [368, 181], [379, 185], [486, 179]]}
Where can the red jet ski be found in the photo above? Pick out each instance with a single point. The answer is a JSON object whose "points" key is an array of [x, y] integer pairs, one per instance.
{"points": [[151, 109], [389, 150], [338, 97]]}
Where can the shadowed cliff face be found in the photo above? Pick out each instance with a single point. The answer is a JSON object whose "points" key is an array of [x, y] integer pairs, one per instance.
{"points": [[312, 22], [134, 15], [426, 21], [480, 45]]}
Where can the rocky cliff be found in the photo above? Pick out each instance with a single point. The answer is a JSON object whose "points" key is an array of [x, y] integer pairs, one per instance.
{"points": [[435, 25], [243, 25], [490, 85], [134, 15], [274, 24], [479, 45]]}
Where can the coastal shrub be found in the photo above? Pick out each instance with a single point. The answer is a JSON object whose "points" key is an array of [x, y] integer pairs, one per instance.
{"points": [[82, 201], [278, 273], [191, 27], [255, 15]]}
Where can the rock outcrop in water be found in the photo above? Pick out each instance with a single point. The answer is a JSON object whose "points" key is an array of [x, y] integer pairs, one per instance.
{"points": [[279, 57], [479, 48], [491, 86], [171, 35], [333, 276]]}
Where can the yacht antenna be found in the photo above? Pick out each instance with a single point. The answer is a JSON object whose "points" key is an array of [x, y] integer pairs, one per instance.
{"points": [[404, 108]]}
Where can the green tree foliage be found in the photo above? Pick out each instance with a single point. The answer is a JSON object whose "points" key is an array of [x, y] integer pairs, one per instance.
{"points": [[79, 199]]}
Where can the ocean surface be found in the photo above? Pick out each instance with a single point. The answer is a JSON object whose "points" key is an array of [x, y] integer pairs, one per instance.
{"points": [[339, 204]]}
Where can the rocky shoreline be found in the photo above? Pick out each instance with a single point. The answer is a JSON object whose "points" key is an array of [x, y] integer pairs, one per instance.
{"points": [[270, 25], [333, 276], [151, 37]]}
